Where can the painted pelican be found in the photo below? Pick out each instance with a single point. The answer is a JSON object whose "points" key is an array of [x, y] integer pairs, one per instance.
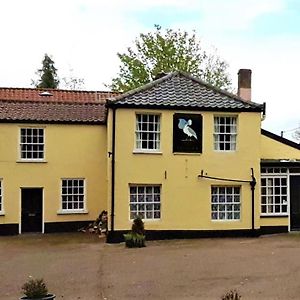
{"points": [[185, 126]]}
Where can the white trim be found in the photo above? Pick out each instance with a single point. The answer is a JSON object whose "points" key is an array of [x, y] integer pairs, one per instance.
{"points": [[83, 210], [157, 133], [217, 144], [137, 185], [2, 211], [72, 212], [140, 151], [274, 176], [20, 159]]}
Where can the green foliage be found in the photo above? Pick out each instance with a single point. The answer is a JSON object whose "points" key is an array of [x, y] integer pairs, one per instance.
{"points": [[136, 238], [165, 52], [138, 226], [232, 295], [47, 75], [35, 288]]}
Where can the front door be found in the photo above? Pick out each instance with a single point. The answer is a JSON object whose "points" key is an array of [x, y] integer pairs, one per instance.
{"points": [[295, 202], [32, 209]]}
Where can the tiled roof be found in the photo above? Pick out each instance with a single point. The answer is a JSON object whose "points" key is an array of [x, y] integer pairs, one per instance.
{"points": [[57, 106], [23, 111], [54, 95], [181, 90]]}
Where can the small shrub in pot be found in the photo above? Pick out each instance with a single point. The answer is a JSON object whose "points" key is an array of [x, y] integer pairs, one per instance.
{"points": [[36, 289]]}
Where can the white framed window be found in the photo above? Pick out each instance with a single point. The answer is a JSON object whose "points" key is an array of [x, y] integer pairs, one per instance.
{"points": [[147, 132], [225, 133], [145, 201], [72, 194], [32, 143], [1, 196], [225, 203], [274, 191]]}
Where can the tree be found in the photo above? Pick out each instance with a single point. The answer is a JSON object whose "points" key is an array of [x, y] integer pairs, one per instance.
{"points": [[164, 52], [72, 82], [47, 74]]}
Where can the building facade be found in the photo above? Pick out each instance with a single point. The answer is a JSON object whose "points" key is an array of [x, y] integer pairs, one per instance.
{"points": [[190, 159]]}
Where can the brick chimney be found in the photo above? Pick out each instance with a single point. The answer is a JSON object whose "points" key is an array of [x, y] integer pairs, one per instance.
{"points": [[244, 84]]}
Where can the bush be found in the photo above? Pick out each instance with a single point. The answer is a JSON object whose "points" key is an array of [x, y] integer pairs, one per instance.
{"points": [[232, 295], [35, 288], [138, 226], [136, 238]]}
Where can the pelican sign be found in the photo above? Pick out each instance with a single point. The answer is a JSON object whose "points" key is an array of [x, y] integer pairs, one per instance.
{"points": [[187, 133]]}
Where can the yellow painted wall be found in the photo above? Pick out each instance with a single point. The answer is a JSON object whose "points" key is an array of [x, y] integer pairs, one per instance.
{"points": [[71, 151], [185, 199], [272, 149], [274, 221]]}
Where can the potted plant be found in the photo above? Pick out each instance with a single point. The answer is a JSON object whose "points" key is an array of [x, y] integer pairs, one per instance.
{"points": [[136, 237], [36, 289]]}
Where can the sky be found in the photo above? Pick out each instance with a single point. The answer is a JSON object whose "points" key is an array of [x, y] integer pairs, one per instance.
{"points": [[83, 38]]}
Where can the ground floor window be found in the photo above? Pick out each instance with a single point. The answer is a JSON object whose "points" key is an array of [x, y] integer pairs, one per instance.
{"points": [[1, 196], [274, 194], [72, 194], [225, 203], [145, 201]]}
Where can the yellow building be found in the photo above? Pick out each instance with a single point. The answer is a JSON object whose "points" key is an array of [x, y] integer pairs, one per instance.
{"points": [[52, 159], [190, 159]]}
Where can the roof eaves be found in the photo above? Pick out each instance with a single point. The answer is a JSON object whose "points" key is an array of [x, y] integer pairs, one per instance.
{"points": [[186, 107], [280, 139]]}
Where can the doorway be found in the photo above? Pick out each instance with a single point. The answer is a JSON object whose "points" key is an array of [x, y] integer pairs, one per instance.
{"points": [[31, 210], [295, 202]]}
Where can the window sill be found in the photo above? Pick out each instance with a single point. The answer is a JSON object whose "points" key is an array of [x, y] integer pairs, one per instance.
{"points": [[146, 152], [31, 161], [2, 213], [225, 151], [273, 216], [225, 221], [187, 153], [72, 212]]}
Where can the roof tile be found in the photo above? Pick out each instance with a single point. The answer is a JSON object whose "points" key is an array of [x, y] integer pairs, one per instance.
{"points": [[179, 89]]}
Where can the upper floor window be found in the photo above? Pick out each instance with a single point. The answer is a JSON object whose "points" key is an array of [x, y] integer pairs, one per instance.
{"points": [[147, 132], [32, 143], [225, 131], [72, 194]]}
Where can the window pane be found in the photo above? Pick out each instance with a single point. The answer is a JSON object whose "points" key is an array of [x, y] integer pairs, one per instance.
{"points": [[72, 194], [148, 199]]}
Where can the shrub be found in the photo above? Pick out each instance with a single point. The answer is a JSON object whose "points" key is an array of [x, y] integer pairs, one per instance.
{"points": [[136, 238], [232, 295], [35, 288], [138, 226]]}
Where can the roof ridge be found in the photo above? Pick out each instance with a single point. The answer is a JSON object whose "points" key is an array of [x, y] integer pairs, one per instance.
{"points": [[63, 102], [58, 90]]}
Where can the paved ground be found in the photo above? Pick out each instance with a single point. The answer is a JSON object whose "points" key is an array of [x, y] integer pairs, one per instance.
{"points": [[81, 266]]}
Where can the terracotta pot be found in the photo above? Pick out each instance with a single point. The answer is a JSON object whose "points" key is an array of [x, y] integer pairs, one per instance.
{"points": [[48, 297]]}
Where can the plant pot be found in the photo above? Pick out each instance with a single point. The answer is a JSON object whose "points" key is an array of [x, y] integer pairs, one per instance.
{"points": [[48, 297]]}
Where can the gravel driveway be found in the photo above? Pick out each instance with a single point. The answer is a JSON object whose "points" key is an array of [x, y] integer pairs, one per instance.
{"points": [[82, 266]]}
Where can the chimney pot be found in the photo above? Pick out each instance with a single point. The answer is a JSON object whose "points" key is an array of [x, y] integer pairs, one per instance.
{"points": [[244, 84]]}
